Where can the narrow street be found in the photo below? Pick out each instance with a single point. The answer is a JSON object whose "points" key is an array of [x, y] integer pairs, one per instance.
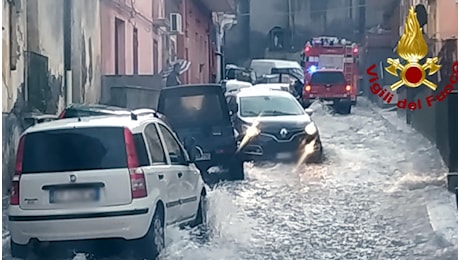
{"points": [[371, 199], [368, 201]]}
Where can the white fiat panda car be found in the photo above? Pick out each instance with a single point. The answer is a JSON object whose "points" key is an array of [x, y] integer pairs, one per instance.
{"points": [[103, 177]]}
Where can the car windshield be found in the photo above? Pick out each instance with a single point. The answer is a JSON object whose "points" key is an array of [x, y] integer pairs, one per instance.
{"points": [[74, 149], [269, 106], [329, 77], [194, 109]]}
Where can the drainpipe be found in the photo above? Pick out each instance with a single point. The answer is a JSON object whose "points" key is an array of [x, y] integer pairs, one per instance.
{"points": [[224, 22], [290, 23]]}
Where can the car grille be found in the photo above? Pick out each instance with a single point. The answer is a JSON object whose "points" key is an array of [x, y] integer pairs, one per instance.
{"points": [[277, 133]]}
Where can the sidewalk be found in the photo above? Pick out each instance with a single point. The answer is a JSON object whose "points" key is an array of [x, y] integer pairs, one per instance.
{"points": [[440, 204]]}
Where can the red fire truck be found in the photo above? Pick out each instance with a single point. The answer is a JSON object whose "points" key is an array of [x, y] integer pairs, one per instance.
{"points": [[331, 53]]}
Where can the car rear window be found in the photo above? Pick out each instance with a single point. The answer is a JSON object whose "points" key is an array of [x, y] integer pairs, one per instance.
{"points": [[330, 77], [194, 109], [74, 149]]}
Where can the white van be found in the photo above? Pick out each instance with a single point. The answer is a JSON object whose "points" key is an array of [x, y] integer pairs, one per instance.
{"points": [[264, 66]]}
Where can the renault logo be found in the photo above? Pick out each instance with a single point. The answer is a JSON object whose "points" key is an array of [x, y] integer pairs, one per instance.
{"points": [[283, 132], [73, 178]]}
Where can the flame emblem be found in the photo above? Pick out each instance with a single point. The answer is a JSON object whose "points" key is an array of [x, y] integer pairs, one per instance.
{"points": [[412, 48]]}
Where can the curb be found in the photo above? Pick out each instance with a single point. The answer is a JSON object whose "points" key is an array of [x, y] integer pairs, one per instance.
{"points": [[371, 105], [450, 178]]}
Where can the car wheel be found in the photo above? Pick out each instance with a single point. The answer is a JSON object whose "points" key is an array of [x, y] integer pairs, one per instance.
{"points": [[154, 241], [345, 108], [202, 211], [236, 170], [317, 157], [20, 251]]}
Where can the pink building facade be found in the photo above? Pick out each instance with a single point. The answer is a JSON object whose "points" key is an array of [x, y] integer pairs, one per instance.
{"points": [[130, 42], [197, 42]]}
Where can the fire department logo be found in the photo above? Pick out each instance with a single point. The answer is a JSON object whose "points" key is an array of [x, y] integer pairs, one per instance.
{"points": [[412, 48], [283, 132]]}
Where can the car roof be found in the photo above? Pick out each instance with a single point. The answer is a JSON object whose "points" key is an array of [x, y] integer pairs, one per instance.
{"points": [[274, 85], [252, 92], [278, 63], [189, 86], [95, 121], [99, 107]]}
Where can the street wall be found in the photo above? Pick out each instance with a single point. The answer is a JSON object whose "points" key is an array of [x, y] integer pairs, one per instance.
{"points": [[34, 72], [85, 51]]}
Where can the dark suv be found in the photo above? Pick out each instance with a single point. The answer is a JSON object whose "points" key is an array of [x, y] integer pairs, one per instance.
{"points": [[200, 112]]}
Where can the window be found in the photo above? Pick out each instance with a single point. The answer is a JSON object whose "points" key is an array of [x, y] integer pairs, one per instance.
{"points": [[135, 52], [155, 57], [157, 153], [119, 46], [328, 78], [74, 149], [196, 109], [176, 154], [141, 151]]}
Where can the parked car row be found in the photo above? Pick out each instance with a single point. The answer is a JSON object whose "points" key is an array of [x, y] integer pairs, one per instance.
{"points": [[110, 173], [102, 173]]}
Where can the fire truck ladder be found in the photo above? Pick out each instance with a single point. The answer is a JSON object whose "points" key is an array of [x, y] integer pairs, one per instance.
{"points": [[348, 70]]}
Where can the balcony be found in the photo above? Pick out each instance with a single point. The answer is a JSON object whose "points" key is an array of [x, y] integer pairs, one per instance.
{"points": [[226, 6]]}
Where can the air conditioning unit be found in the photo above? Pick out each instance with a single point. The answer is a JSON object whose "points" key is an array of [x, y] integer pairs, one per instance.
{"points": [[175, 23]]}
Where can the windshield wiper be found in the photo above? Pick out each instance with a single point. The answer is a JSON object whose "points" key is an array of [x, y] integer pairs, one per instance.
{"points": [[278, 113], [251, 113]]}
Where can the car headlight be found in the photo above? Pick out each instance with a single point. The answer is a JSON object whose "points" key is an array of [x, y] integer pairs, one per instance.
{"points": [[251, 130], [311, 129]]}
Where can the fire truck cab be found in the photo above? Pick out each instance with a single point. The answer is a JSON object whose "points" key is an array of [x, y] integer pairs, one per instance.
{"points": [[331, 53]]}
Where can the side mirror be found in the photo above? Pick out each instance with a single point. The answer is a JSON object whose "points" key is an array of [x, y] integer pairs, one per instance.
{"points": [[233, 108], [189, 144], [360, 93], [309, 111]]}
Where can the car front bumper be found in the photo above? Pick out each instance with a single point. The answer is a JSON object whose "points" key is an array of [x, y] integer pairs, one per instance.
{"points": [[268, 148]]}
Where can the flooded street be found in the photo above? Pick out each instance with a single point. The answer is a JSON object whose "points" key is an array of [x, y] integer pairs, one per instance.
{"points": [[370, 199]]}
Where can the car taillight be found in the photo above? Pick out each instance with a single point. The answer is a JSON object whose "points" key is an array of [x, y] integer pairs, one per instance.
{"points": [[138, 187], [62, 114], [14, 196], [136, 174], [307, 88], [348, 88]]}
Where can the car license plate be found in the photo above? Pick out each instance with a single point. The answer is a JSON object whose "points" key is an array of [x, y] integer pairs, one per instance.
{"points": [[204, 157], [74, 195], [282, 156]]}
